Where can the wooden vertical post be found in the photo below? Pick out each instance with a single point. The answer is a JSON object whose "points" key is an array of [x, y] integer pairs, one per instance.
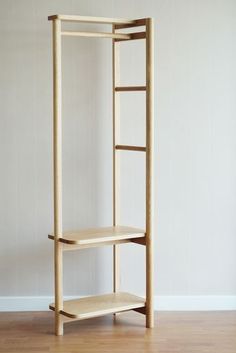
{"points": [[149, 172], [116, 135], [57, 174]]}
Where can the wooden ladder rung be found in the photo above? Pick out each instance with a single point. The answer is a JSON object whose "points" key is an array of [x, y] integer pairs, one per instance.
{"points": [[130, 148], [133, 36], [137, 23], [119, 36], [130, 88]]}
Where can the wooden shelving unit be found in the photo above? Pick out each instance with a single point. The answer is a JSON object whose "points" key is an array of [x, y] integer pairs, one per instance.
{"points": [[116, 234]]}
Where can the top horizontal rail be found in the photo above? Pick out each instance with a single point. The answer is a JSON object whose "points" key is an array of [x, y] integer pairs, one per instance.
{"points": [[88, 19]]}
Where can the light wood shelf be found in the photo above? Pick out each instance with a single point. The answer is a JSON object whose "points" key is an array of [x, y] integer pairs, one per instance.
{"points": [[100, 236], [116, 234], [99, 305]]}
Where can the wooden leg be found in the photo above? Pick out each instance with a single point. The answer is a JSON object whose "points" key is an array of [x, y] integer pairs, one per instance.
{"points": [[149, 295], [58, 288], [58, 324], [57, 173], [149, 173], [116, 136], [116, 269]]}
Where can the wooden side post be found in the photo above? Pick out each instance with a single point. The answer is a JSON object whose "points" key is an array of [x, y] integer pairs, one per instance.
{"points": [[57, 174], [116, 135], [149, 172]]}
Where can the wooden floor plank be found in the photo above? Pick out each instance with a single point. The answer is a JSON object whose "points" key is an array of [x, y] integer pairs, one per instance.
{"points": [[174, 332]]}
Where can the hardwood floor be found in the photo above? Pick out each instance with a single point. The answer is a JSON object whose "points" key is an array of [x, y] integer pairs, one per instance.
{"points": [[175, 332]]}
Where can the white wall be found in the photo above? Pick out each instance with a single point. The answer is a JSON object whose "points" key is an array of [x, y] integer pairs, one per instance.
{"points": [[195, 150]]}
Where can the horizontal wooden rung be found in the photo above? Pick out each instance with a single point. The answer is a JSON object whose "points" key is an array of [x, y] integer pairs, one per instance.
{"points": [[120, 36], [137, 23], [140, 241], [130, 148], [133, 36], [130, 88], [141, 310]]}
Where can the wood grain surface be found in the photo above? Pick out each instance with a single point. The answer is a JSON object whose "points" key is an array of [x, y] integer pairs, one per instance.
{"points": [[174, 332]]}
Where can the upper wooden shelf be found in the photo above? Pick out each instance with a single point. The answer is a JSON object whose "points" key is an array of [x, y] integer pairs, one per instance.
{"points": [[89, 19], [100, 236]]}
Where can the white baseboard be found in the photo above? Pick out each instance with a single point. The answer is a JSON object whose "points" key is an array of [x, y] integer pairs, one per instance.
{"points": [[195, 302], [27, 303], [161, 303]]}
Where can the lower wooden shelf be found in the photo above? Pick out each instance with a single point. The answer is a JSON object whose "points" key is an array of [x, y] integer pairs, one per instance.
{"points": [[100, 305]]}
